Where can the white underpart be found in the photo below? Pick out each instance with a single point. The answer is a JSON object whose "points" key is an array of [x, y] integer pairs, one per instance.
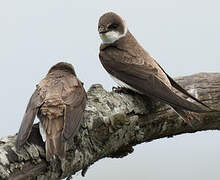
{"points": [[124, 85], [42, 132], [112, 36]]}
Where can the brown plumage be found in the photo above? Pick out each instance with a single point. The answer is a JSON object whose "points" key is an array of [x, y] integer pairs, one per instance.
{"points": [[59, 102], [133, 67]]}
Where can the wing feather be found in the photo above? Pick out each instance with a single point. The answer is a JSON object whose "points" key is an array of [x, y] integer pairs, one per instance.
{"points": [[144, 80], [75, 102], [32, 108], [180, 88]]}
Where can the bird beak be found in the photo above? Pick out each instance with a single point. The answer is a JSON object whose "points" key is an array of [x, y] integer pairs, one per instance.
{"points": [[102, 30]]}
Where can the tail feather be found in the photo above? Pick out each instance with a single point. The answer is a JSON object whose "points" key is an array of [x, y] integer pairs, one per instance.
{"points": [[52, 118], [49, 149], [182, 90], [55, 146]]}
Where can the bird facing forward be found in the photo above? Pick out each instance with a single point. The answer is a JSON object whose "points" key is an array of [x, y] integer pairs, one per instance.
{"points": [[132, 67], [59, 102]]}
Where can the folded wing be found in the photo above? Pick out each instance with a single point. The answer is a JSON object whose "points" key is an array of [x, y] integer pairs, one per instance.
{"points": [[75, 99], [32, 108], [146, 82]]}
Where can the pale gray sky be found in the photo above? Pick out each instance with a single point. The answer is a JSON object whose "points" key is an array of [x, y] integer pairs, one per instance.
{"points": [[183, 36]]}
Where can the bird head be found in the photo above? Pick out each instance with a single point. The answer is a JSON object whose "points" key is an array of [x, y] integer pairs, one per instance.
{"points": [[111, 27], [64, 66]]}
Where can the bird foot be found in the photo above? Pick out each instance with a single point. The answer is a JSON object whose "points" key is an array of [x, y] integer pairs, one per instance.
{"points": [[121, 90]]}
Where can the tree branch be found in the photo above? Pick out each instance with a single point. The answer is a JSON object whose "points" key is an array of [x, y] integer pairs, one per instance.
{"points": [[113, 124]]}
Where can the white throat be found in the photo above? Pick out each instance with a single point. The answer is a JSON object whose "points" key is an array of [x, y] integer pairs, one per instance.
{"points": [[112, 36]]}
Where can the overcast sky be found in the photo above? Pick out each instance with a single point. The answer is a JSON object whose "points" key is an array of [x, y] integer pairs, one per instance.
{"points": [[184, 37]]}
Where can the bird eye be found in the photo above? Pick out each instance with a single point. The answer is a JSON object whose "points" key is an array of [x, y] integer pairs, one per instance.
{"points": [[113, 26]]}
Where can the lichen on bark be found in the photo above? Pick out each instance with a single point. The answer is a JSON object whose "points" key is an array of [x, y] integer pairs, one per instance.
{"points": [[113, 123]]}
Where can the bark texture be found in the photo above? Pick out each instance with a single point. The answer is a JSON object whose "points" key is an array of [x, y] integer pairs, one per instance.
{"points": [[113, 124]]}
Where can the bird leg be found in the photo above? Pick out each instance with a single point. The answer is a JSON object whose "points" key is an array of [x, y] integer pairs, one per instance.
{"points": [[124, 90]]}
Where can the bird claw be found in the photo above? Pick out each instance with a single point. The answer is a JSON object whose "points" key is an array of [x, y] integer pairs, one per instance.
{"points": [[120, 90]]}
